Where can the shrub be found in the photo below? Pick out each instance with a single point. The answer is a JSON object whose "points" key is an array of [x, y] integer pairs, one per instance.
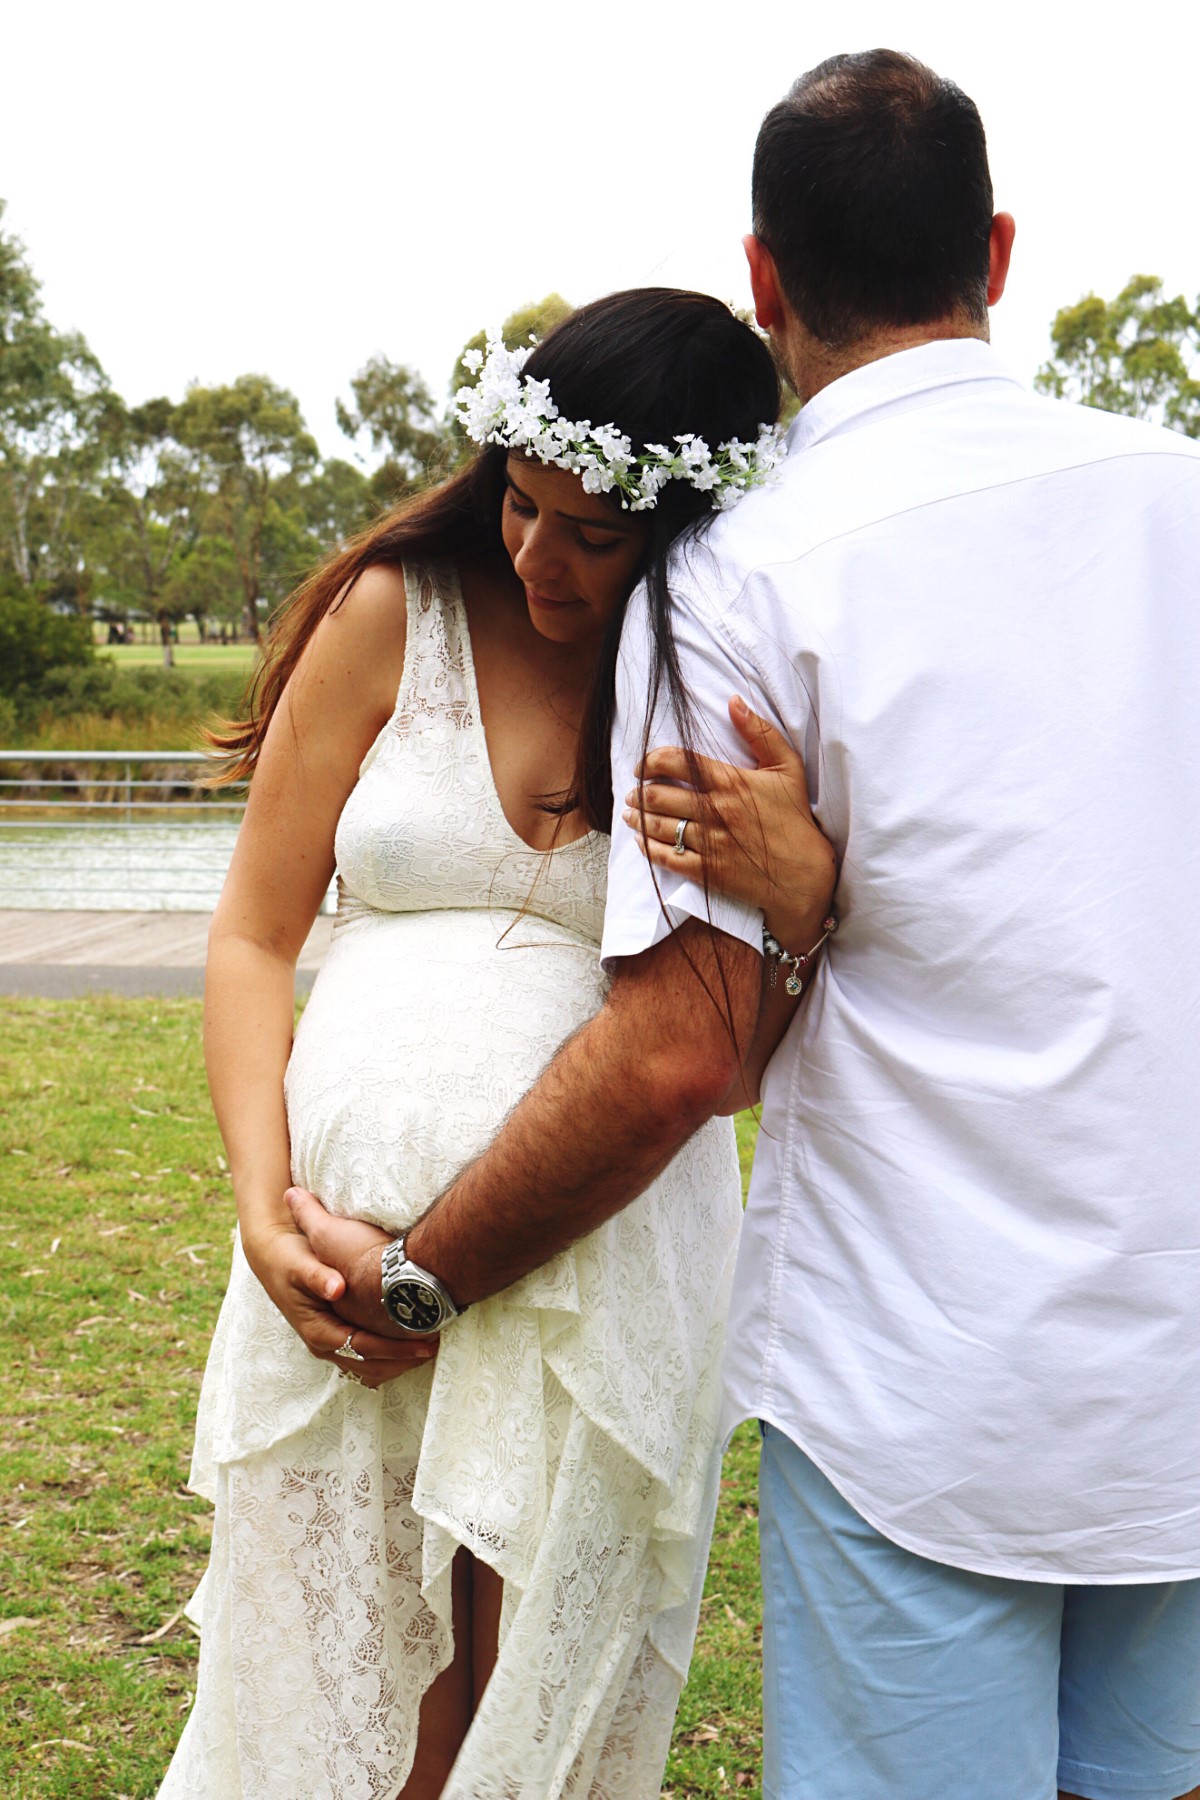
{"points": [[134, 695], [34, 639]]}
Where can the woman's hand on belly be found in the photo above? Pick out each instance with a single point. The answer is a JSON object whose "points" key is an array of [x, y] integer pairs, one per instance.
{"points": [[306, 1291], [355, 1249]]}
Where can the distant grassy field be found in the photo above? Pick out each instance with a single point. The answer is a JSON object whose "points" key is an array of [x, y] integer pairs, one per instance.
{"points": [[115, 1223], [195, 659], [188, 633]]}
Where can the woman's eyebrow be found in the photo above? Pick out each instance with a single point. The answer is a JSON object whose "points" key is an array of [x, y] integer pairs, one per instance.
{"points": [[599, 524], [589, 519]]}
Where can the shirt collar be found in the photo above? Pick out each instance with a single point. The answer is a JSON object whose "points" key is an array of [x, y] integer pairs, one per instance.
{"points": [[913, 376]]}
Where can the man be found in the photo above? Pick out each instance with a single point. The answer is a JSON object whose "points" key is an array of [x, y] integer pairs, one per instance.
{"points": [[966, 1303]]}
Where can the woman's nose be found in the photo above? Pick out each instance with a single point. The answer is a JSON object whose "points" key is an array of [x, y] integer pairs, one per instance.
{"points": [[536, 556]]}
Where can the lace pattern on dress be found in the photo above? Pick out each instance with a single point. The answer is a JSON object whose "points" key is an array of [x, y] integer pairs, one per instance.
{"points": [[565, 1433]]}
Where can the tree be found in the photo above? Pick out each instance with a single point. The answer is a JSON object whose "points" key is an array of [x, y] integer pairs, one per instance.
{"points": [[250, 437], [145, 513], [334, 501], [53, 394], [34, 639], [394, 409], [1138, 354], [203, 581]]}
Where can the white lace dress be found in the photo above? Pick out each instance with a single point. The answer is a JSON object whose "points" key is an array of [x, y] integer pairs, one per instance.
{"points": [[565, 1432]]}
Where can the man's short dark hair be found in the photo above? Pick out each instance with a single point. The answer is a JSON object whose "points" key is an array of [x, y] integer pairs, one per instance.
{"points": [[871, 190]]}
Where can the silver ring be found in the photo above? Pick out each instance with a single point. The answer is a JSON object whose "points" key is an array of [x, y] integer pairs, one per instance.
{"points": [[349, 1351], [680, 827]]}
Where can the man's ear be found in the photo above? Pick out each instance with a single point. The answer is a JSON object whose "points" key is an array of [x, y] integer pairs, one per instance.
{"points": [[764, 283], [1004, 229]]}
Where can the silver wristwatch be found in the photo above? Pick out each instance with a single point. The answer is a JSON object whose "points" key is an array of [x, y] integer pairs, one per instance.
{"points": [[414, 1299]]}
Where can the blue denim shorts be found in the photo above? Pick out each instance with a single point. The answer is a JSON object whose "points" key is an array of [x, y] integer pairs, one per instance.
{"points": [[890, 1677]]}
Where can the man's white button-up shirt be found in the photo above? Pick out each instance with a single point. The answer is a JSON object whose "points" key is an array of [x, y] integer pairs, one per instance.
{"points": [[969, 1281]]}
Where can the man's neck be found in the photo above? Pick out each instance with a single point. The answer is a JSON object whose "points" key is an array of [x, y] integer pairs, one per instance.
{"points": [[813, 365]]}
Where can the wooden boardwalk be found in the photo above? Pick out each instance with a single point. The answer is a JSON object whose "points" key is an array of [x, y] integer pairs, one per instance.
{"points": [[65, 953]]}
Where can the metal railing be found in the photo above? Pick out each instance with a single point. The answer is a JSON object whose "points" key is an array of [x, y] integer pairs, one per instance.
{"points": [[63, 787], [104, 829]]}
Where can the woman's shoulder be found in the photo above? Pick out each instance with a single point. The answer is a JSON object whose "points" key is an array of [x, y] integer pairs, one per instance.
{"points": [[355, 658], [374, 605], [367, 625]]}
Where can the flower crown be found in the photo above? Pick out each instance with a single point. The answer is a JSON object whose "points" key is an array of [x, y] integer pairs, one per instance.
{"points": [[505, 407]]}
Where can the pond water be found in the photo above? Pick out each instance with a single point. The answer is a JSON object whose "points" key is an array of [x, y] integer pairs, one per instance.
{"points": [[115, 867]]}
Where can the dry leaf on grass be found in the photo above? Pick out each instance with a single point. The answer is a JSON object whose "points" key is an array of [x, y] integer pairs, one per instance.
{"points": [[152, 1637], [703, 1734]]}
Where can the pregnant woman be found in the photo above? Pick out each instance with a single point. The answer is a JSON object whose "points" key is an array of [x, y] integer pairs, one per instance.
{"points": [[477, 1572]]}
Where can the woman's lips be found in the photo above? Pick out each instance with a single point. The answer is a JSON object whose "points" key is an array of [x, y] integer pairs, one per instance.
{"points": [[547, 601]]}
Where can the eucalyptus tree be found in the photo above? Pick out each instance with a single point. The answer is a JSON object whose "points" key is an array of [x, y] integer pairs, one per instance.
{"points": [[394, 410], [203, 583], [337, 500], [1138, 354], [250, 439], [53, 396], [147, 512]]}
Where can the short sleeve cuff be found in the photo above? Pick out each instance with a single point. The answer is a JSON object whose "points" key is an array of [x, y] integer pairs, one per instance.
{"points": [[629, 932]]}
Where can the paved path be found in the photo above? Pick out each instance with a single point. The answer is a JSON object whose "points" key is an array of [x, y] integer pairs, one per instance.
{"points": [[60, 954]]}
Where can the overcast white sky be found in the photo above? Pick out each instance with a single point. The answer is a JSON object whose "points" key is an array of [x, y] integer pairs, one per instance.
{"points": [[211, 189]]}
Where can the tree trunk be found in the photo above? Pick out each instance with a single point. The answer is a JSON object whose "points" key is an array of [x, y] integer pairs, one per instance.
{"points": [[20, 540], [164, 632]]}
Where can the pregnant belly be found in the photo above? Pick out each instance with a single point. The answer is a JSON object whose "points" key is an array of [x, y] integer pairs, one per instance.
{"points": [[422, 1032]]}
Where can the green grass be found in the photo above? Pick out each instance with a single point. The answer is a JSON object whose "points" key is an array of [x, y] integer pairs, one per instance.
{"points": [[189, 633], [115, 1224], [114, 1238], [193, 659], [106, 731]]}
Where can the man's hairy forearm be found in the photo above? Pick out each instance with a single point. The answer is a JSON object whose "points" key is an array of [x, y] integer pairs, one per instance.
{"points": [[606, 1117]]}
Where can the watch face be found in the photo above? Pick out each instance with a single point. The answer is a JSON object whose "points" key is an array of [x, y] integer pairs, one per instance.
{"points": [[415, 1306]]}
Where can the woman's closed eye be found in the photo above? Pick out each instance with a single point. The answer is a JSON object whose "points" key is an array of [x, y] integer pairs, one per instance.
{"points": [[596, 540], [598, 546]]}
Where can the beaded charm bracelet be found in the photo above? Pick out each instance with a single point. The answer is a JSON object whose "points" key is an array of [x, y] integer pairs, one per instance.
{"points": [[787, 958]]}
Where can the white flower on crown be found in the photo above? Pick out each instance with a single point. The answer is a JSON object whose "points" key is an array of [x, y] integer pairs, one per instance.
{"points": [[506, 407], [537, 398]]}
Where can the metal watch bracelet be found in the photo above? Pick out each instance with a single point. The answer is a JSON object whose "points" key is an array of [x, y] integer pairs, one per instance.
{"points": [[413, 1297]]}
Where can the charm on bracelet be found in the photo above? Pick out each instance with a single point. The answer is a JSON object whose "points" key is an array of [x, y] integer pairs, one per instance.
{"points": [[796, 961]]}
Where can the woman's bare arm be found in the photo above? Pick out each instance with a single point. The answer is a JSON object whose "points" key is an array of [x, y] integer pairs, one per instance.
{"points": [[334, 706]]}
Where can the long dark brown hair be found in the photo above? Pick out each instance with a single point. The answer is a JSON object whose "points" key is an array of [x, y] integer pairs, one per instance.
{"points": [[455, 521], [657, 362]]}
